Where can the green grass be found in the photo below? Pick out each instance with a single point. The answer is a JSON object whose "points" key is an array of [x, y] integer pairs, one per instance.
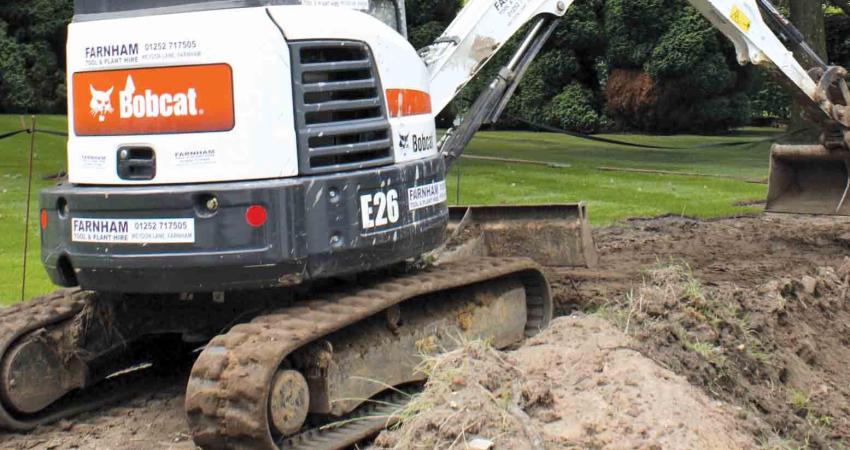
{"points": [[49, 158], [611, 196]]}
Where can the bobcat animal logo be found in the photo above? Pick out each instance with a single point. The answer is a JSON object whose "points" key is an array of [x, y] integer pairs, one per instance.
{"points": [[101, 103], [403, 140]]}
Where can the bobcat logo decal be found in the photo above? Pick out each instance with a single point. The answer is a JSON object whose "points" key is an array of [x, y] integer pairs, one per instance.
{"points": [[403, 140], [101, 103]]}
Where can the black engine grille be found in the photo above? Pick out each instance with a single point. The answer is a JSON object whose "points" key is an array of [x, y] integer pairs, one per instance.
{"points": [[339, 107]]}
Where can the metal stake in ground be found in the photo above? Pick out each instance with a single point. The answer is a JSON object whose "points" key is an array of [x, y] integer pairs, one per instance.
{"points": [[27, 216]]}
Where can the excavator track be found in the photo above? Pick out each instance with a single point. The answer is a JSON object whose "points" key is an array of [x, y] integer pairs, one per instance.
{"points": [[228, 390], [62, 321], [366, 421], [19, 320]]}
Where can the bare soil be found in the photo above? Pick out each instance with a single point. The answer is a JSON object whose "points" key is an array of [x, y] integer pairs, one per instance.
{"points": [[730, 333], [580, 384]]}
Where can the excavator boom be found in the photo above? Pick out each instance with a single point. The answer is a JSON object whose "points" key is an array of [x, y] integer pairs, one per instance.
{"points": [[803, 179]]}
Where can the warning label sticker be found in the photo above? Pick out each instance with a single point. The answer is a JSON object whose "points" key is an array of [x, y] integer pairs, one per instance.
{"points": [[740, 18]]}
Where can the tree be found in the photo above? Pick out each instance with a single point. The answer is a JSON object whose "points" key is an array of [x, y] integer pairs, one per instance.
{"points": [[32, 55], [808, 16], [670, 70]]}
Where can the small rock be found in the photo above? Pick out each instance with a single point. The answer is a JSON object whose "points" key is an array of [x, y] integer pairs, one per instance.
{"points": [[480, 444], [810, 284], [66, 425]]}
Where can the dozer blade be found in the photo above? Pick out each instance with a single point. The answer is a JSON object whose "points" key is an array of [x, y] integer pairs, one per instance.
{"points": [[552, 235], [808, 179]]}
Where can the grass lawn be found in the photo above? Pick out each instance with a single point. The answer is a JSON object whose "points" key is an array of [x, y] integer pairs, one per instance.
{"points": [[49, 159], [611, 196]]}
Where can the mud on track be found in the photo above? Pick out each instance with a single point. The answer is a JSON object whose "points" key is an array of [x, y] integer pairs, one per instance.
{"points": [[752, 282]]}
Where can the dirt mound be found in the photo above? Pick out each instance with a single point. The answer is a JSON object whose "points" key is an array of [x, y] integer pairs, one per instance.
{"points": [[778, 349], [581, 383], [474, 392], [748, 251], [607, 394]]}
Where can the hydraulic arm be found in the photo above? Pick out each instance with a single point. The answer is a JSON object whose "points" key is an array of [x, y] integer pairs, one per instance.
{"points": [[807, 179], [746, 24], [803, 178]]}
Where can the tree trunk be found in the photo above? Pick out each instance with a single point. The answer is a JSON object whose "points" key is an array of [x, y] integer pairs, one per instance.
{"points": [[808, 16]]}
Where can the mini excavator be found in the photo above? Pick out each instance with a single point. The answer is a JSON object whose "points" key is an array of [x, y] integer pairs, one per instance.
{"points": [[251, 179]]}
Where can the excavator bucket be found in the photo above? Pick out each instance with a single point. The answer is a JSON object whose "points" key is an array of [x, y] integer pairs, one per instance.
{"points": [[552, 235], [808, 179]]}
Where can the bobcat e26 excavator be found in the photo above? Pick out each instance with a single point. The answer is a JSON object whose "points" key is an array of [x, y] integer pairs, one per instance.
{"points": [[234, 164]]}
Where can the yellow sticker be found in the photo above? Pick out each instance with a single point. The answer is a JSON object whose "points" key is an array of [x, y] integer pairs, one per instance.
{"points": [[740, 18]]}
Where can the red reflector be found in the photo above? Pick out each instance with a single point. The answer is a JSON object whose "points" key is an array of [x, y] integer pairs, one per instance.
{"points": [[43, 219], [256, 216]]}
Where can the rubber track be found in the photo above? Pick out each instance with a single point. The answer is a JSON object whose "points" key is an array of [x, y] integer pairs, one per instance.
{"points": [[23, 318], [226, 398], [364, 422]]}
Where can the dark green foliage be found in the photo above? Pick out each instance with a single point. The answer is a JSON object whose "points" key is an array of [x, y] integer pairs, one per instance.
{"points": [[838, 39], [768, 100], [696, 83], [425, 34], [32, 55], [15, 91], [633, 27], [421, 12], [682, 47], [575, 108], [567, 65]]}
